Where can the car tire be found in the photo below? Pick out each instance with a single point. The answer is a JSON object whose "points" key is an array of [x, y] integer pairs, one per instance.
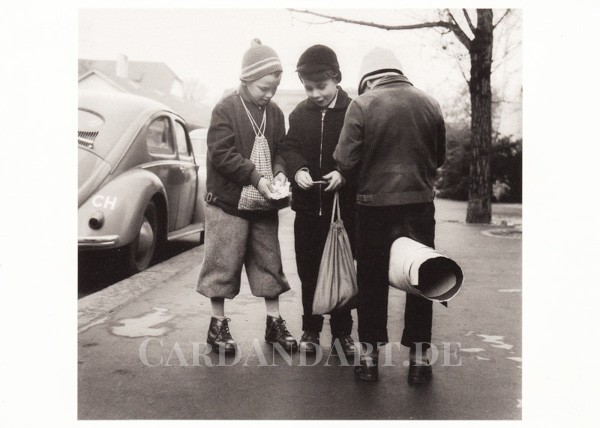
{"points": [[141, 251]]}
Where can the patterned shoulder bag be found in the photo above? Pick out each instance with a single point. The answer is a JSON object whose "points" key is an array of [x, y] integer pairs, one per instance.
{"points": [[251, 199]]}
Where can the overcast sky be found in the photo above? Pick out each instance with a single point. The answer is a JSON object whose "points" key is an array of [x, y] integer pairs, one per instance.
{"points": [[208, 44]]}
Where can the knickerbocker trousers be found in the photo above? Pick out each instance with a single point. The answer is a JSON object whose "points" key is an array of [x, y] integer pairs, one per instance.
{"points": [[232, 242]]}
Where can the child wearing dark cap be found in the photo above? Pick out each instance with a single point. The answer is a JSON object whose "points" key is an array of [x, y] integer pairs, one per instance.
{"points": [[314, 128], [243, 172]]}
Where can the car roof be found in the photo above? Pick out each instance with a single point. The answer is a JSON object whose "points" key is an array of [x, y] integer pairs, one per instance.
{"points": [[123, 115], [118, 103]]}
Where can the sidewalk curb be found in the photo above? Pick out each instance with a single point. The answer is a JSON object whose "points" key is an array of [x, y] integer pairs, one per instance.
{"points": [[92, 309]]}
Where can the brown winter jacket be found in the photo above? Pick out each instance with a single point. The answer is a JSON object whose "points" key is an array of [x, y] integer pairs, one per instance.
{"points": [[230, 140], [392, 143]]}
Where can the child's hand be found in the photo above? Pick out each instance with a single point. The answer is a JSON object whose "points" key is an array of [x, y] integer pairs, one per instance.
{"points": [[265, 188], [281, 187], [304, 180], [280, 179], [336, 180]]}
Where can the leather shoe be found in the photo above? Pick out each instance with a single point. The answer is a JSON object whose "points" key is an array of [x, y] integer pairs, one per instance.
{"points": [[277, 332], [347, 344], [368, 370], [419, 370], [309, 342], [219, 337]]}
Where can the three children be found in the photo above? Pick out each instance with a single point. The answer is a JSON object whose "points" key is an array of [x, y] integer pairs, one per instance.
{"points": [[249, 153]]}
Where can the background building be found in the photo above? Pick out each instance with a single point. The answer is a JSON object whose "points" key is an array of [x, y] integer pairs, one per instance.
{"points": [[153, 80]]}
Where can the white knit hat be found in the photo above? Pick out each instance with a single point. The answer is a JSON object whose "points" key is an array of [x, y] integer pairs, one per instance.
{"points": [[377, 62]]}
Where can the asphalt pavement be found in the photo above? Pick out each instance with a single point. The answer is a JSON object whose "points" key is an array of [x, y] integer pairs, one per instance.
{"points": [[141, 348]]}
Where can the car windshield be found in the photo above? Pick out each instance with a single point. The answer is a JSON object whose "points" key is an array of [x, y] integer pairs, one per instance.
{"points": [[88, 126]]}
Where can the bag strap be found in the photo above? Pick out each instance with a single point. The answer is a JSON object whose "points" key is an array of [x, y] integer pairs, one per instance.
{"points": [[259, 130], [336, 207]]}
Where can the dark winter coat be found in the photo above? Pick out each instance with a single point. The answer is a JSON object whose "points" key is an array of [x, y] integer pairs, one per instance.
{"points": [[392, 142], [310, 142], [230, 140]]}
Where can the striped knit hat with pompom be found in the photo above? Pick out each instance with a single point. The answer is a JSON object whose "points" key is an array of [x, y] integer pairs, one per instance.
{"points": [[259, 61]]}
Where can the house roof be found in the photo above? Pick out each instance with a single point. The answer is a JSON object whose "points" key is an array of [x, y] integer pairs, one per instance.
{"points": [[142, 74], [152, 80]]}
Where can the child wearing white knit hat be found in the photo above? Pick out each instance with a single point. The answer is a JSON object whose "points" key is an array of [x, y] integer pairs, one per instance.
{"points": [[376, 64], [392, 142]]}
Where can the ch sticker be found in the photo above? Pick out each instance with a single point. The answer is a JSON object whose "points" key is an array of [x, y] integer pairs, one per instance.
{"points": [[100, 201]]}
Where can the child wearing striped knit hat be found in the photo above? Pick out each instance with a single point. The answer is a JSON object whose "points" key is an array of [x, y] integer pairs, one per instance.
{"points": [[243, 171]]}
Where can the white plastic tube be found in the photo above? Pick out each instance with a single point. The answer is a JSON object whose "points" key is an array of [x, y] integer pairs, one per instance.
{"points": [[418, 269]]}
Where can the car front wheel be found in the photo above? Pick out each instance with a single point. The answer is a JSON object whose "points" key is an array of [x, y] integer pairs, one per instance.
{"points": [[141, 250]]}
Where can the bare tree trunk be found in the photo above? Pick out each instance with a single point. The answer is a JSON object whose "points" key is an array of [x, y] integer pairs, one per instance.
{"points": [[479, 208]]}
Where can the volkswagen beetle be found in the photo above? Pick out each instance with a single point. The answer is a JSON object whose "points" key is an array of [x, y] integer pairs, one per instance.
{"points": [[139, 182]]}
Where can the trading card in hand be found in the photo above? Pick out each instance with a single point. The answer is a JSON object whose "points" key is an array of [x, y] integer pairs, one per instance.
{"points": [[281, 190]]}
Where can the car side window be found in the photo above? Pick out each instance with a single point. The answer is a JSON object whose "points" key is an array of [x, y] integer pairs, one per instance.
{"points": [[181, 137], [158, 137]]}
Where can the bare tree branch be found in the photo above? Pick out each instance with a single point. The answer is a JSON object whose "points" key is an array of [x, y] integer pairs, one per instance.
{"points": [[458, 32], [502, 17], [464, 75], [443, 24], [468, 18], [453, 26], [312, 23]]}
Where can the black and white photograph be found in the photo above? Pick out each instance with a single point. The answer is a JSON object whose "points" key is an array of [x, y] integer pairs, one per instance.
{"points": [[281, 205], [301, 211]]}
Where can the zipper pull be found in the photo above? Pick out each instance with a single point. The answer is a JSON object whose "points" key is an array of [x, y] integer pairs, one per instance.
{"points": [[320, 201]]}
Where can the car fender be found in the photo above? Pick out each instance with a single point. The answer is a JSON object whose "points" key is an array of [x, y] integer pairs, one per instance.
{"points": [[199, 209], [121, 202], [198, 141]]}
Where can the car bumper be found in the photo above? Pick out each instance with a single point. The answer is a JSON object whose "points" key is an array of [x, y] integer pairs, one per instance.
{"points": [[91, 242]]}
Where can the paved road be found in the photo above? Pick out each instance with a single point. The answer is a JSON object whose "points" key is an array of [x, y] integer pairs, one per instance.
{"points": [[142, 359]]}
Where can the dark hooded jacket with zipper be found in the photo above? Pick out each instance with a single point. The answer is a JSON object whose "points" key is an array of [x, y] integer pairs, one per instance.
{"points": [[310, 142]]}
